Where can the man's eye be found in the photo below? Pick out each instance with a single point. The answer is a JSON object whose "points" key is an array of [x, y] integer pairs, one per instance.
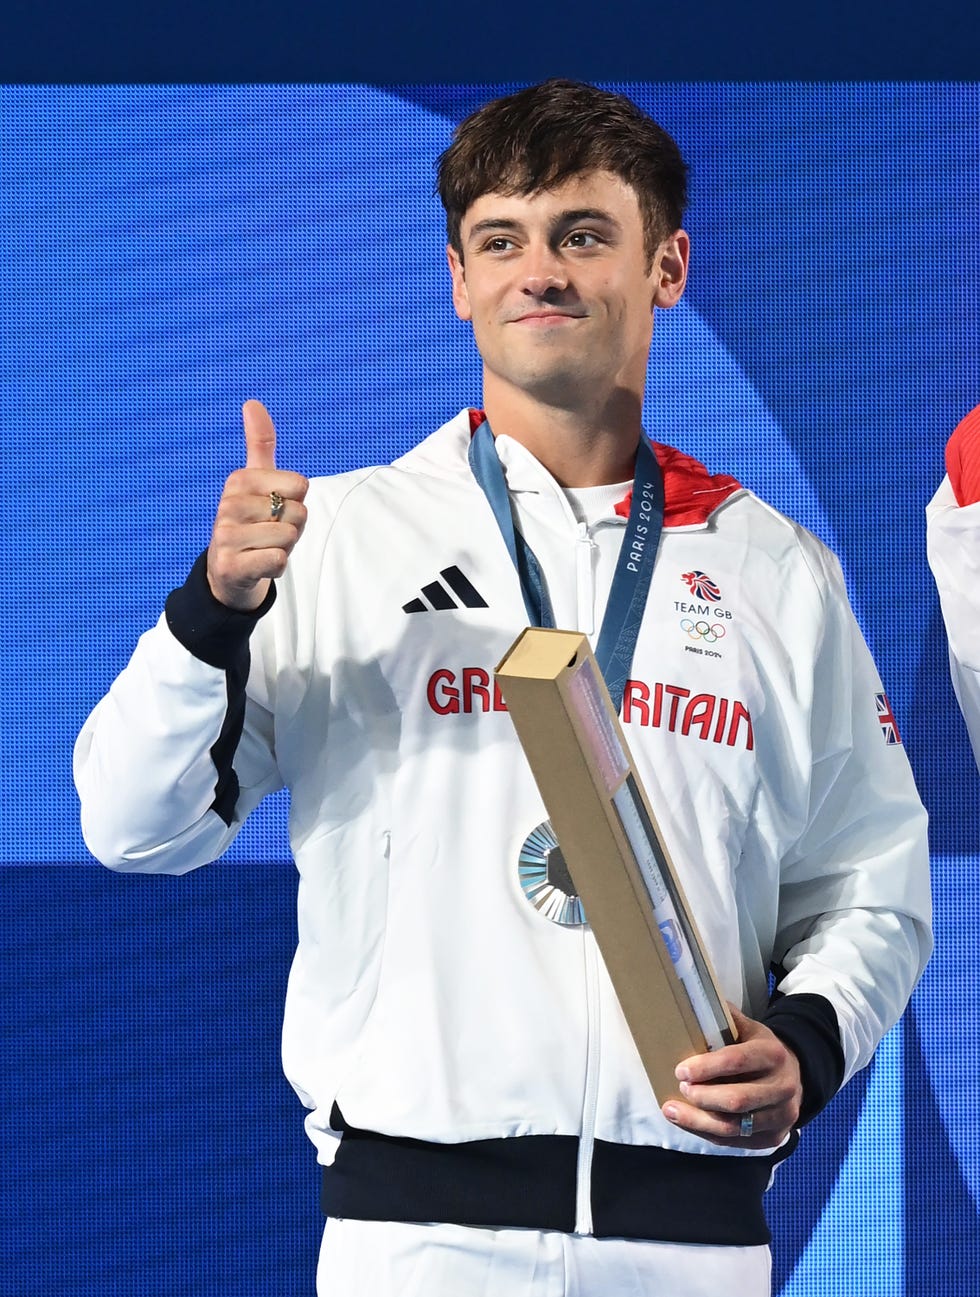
{"points": [[499, 244], [582, 239]]}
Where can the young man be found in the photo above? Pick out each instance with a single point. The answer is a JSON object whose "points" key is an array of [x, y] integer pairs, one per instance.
{"points": [[475, 1096]]}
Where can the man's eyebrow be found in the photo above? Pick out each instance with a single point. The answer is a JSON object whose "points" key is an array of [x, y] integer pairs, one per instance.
{"points": [[577, 214], [493, 223], [571, 216]]}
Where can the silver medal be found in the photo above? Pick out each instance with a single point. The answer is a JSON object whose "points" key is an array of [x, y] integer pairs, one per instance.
{"points": [[545, 879]]}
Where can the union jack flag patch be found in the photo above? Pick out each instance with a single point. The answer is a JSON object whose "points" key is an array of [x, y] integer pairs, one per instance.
{"points": [[886, 719], [701, 586]]}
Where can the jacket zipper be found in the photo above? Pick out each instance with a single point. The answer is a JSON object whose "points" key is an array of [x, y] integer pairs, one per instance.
{"points": [[590, 1099], [585, 590]]}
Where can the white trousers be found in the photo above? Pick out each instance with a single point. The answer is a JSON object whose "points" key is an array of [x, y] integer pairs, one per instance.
{"points": [[363, 1258]]}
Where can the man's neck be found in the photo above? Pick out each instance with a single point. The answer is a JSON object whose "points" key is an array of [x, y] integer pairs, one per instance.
{"points": [[579, 448]]}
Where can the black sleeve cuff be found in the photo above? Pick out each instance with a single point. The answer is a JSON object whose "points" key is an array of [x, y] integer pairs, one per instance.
{"points": [[807, 1024], [206, 628]]}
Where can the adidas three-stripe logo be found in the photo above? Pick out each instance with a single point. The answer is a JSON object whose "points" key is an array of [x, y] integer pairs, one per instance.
{"points": [[439, 597]]}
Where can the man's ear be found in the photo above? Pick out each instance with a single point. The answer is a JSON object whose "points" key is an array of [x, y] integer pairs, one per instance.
{"points": [[461, 300], [670, 269]]}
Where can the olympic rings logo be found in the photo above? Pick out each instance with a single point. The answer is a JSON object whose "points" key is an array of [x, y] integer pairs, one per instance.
{"points": [[703, 630]]}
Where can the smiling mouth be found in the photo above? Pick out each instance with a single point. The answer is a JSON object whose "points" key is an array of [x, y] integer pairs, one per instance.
{"points": [[546, 317]]}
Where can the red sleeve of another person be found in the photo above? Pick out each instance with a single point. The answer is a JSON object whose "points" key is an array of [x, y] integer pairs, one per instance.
{"points": [[963, 459]]}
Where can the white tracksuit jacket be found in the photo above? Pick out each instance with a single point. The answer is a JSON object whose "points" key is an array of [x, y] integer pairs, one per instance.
{"points": [[953, 547], [428, 998]]}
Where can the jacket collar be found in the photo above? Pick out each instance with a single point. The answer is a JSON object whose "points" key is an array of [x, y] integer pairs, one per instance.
{"points": [[691, 493]]}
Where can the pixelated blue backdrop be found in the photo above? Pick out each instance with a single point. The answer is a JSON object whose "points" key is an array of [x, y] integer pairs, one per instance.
{"points": [[168, 252]]}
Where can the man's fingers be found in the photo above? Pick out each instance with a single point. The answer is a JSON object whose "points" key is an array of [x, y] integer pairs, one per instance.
{"points": [[753, 1052], [745, 1059], [260, 436], [242, 570], [261, 482], [770, 1126], [759, 1075], [241, 502], [259, 519], [732, 1100]]}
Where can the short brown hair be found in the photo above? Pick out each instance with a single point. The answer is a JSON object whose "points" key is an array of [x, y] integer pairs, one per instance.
{"points": [[539, 137]]}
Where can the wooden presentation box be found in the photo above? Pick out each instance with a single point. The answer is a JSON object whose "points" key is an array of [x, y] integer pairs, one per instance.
{"points": [[614, 851]]}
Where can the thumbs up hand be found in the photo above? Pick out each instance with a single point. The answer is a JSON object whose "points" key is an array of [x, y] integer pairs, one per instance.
{"points": [[260, 517]]}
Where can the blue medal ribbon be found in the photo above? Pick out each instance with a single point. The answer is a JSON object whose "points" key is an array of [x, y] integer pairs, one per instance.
{"points": [[634, 566]]}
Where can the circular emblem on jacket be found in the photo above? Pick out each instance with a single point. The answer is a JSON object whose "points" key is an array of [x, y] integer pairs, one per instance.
{"points": [[545, 879]]}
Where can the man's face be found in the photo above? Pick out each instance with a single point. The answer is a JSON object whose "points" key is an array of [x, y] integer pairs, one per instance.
{"points": [[560, 289]]}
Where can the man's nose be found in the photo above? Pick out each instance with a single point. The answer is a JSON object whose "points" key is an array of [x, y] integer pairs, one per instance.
{"points": [[544, 270]]}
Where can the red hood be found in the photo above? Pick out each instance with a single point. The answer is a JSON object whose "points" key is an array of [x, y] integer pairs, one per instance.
{"points": [[691, 493]]}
